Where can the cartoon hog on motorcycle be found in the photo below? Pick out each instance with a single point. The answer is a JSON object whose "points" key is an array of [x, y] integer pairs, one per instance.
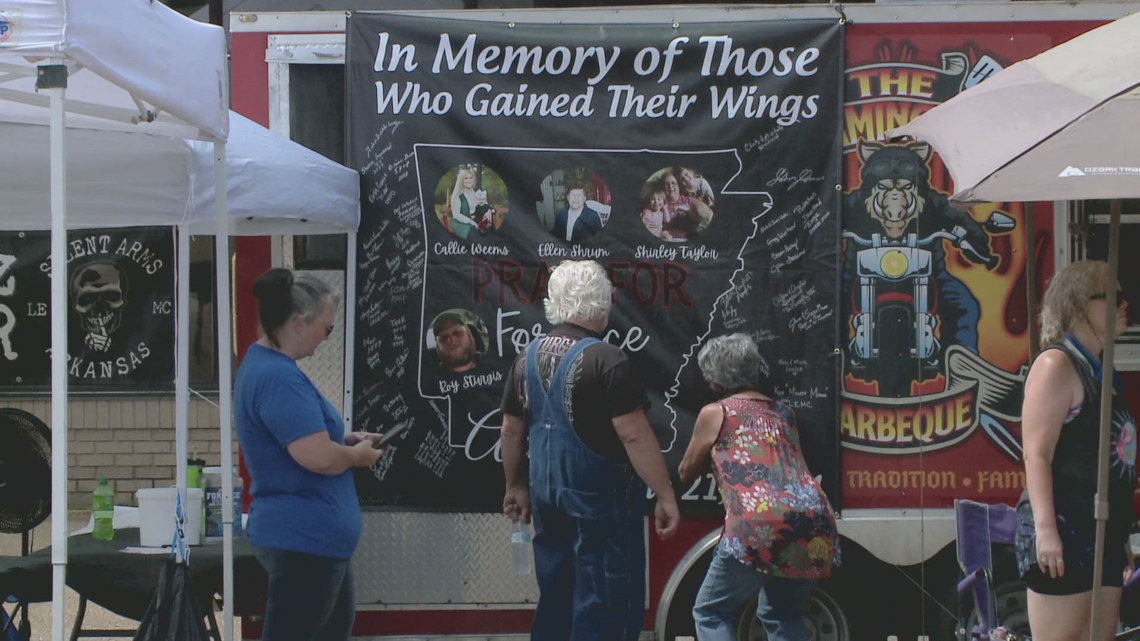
{"points": [[903, 301]]}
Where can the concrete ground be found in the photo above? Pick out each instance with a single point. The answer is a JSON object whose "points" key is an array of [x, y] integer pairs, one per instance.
{"points": [[40, 613]]}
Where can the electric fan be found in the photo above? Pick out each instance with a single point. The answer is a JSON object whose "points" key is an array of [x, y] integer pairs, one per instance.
{"points": [[25, 472], [25, 491]]}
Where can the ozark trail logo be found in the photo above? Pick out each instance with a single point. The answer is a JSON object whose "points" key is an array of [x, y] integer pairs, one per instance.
{"points": [[1100, 171]]}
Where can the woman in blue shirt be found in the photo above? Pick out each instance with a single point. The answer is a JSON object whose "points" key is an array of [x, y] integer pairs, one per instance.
{"points": [[305, 520]]}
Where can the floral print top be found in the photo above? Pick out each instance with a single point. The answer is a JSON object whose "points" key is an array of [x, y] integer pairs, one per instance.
{"points": [[777, 518]]}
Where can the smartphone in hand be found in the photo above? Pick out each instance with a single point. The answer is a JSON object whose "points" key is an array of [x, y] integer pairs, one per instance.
{"points": [[386, 437]]}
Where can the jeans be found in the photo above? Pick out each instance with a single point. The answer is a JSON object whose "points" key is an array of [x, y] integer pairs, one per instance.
{"points": [[310, 597], [730, 584], [959, 312], [589, 524], [591, 576]]}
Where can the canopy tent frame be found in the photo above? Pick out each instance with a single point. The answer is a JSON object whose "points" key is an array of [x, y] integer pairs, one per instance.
{"points": [[57, 100], [272, 184], [54, 42]]}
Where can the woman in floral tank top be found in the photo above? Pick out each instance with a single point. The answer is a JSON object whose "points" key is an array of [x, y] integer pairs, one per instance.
{"points": [[779, 529]]}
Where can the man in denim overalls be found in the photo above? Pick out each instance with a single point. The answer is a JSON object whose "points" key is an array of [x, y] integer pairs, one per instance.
{"points": [[592, 452]]}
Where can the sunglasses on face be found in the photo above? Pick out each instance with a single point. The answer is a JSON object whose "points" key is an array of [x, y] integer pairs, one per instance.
{"points": [[1120, 300], [304, 323]]}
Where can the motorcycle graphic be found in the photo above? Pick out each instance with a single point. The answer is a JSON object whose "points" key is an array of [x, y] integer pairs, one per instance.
{"points": [[896, 317]]}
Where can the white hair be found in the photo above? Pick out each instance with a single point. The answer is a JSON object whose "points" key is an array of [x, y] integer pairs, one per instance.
{"points": [[578, 290]]}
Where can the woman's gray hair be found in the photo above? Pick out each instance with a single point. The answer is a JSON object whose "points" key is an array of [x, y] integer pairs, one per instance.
{"points": [[1067, 298], [281, 296], [578, 290], [733, 363], [311, 295]]}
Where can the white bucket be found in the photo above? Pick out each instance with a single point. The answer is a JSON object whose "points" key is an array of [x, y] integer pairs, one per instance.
{"points": [[157, 516]]}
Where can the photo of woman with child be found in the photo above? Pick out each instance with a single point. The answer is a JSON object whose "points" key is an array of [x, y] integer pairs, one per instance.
{"points": [[677, 204], [471, 197]]}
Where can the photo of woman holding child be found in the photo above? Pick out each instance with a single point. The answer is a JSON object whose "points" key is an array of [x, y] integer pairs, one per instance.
{"points": [[676, 204], [471, 198]]}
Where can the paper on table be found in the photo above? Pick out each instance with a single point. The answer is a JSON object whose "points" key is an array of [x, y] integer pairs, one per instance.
{"points": [[126, 516], [144, 550]]}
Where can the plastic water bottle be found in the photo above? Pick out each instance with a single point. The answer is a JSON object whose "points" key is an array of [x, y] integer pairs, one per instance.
{"points": [[520, 548], [103, 511], [194, 467]]}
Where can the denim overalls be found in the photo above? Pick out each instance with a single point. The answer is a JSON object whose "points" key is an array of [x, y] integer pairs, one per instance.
{"points": [[589, 529]]}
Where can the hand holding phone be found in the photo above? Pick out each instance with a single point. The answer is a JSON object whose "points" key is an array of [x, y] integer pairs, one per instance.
{"points": [[386, 437]]}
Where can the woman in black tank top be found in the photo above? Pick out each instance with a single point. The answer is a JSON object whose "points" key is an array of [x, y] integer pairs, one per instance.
{"points": [[1060, 429]]}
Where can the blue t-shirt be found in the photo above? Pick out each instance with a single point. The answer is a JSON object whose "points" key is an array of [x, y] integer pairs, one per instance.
{"points": [[275, 404]]}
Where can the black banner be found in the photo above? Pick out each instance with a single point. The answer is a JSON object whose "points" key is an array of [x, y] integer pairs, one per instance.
{"points": [[699, 164], [120, 310]]}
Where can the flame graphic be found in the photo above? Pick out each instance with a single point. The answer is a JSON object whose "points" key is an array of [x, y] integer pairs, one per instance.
{"points": [[1003, 326]]}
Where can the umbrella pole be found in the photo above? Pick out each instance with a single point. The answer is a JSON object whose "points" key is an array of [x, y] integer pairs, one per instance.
{"points": [[1100, 503], [1031, 281]]}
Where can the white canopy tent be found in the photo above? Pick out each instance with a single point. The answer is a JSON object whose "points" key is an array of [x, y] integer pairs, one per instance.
{"points": [[168, 81], [274, 186], [132, 132], [168, 78]]}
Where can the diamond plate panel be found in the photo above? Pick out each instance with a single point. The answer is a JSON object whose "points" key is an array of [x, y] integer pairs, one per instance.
{"points": [[417, 558]]}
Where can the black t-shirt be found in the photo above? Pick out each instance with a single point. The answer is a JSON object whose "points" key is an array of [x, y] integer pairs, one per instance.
{"points": [[600, 386]]}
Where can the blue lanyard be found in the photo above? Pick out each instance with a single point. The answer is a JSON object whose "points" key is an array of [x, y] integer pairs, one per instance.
{"points": [[1095, 364]]}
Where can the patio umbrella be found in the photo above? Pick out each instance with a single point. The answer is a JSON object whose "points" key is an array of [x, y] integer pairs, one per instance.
{"points": [[1059, 126]]}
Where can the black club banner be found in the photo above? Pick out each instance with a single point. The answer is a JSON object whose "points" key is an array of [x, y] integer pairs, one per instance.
{"points": [[698, 164], [120, 312]]}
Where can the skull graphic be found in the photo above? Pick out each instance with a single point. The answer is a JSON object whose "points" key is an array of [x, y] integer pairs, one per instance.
{"points": [[98, 294]]}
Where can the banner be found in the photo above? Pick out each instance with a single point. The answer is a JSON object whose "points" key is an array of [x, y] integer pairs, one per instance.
{"points": [[699, 164], [120, 312], [935, 319]]}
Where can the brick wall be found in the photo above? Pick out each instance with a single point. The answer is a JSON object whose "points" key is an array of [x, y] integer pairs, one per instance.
{"points": [[130, 440]]}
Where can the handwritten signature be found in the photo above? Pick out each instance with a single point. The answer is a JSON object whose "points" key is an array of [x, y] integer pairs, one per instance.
{"points": [[784, 177]]}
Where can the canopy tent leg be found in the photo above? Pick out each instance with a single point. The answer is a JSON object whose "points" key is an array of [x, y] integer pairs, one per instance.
{"points": [[182, 362], [52, 80], [225, 385], [349, 333]]}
